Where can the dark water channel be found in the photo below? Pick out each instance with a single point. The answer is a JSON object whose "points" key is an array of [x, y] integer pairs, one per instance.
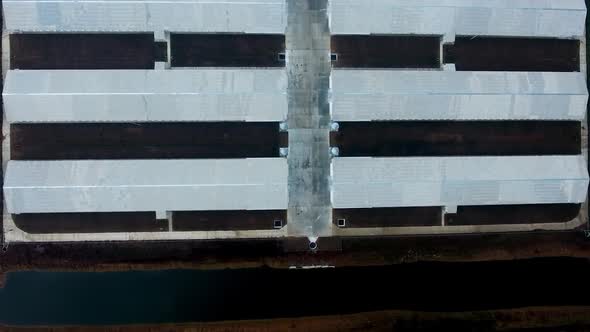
{"points": [[55, 298]]}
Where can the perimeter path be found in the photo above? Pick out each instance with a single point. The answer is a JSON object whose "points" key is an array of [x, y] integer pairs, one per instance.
{"points": [[308, 70]]}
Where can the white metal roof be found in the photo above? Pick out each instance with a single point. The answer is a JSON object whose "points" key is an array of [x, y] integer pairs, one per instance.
{"points": [[145, 95], [145, 185], [455, 181], [527, 18], [258, 16], [366, 95]]}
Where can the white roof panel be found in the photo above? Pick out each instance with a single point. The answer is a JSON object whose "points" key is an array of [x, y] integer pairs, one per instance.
{"points": [[456, 181], [367, 95], [145, 185], [145, 95], [234, 16], [526, 18]]}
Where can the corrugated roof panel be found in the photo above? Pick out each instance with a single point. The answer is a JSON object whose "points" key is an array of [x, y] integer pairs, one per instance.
{"points": [[366, 95], [456, 181], [527, 18], [145, 185], [146, 95], [260, 16]]}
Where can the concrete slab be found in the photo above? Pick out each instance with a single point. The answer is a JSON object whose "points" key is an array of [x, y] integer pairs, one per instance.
{"points": [[308, 68]]}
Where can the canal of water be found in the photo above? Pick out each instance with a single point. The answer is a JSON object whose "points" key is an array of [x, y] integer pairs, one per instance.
{"points": [[55, 298]]}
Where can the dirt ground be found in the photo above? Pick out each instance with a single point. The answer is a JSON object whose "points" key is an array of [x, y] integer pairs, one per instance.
{"points": [[523, 319], [111, 256]]}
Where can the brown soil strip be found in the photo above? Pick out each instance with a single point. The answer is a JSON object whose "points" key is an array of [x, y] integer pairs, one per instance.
{"points": [[514, 54], [367, 251], [354, 51], [466, 215], [388, 217], [229, 220], [513, 214], [46, 223], [146, 140], [571, 319], [457, 138], [227, 50], [82, 51]]}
